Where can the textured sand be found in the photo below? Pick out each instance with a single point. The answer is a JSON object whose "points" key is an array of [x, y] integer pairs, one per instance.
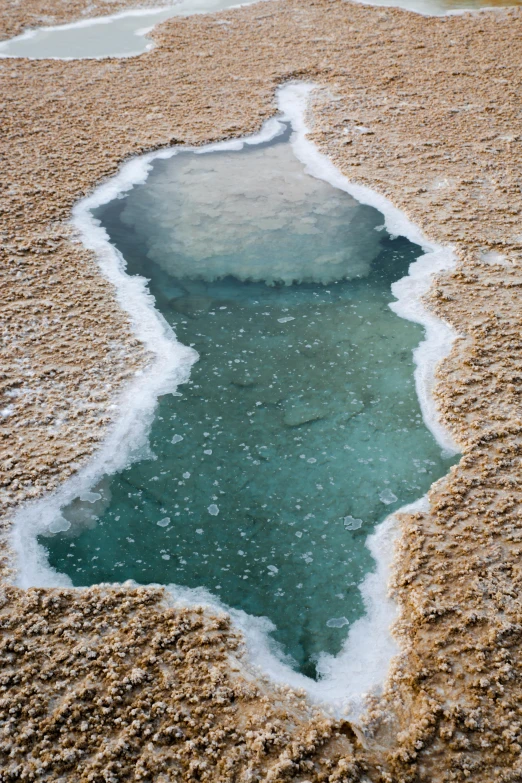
{"points": [[111, 684]]}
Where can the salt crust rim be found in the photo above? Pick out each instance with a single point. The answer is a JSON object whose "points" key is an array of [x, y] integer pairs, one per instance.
{"points": [[142, 33], [362, 665]]}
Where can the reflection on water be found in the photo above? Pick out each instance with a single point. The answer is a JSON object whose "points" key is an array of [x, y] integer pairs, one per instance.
{"points": [[299, 429]]}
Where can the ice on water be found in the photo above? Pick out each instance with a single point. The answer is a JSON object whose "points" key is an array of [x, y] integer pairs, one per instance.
{"points": [[299, 429], [217, 217]]}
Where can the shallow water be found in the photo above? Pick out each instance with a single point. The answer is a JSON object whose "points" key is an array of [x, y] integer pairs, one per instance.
{"points": [[299, 429], [125, 34]]}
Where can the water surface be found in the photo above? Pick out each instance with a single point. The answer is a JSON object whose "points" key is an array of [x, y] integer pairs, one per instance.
{"points": [[299, 429]]}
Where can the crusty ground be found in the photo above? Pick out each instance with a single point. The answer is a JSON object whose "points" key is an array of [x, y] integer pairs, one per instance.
{"points": [[101, 684]]}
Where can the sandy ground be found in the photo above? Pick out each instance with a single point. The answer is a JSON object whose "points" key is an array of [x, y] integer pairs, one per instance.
{"points": [[111, 684]]}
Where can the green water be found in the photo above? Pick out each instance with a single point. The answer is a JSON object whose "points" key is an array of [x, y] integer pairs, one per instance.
{"points": [[299, 429]]}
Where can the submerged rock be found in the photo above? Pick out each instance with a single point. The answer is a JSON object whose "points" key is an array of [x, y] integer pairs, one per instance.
{"points": [[299, 414]]}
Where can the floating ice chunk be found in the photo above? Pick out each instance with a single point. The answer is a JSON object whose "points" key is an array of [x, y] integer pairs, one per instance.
{"points": [[351, 523], [337, 622], [59, 525], [165, 557], [286, 319], [273, 570], [186, 475], [199, 531], [164, 522], [213, 509], [177, 439], [207, 451], [387, 497], [90, 497]]}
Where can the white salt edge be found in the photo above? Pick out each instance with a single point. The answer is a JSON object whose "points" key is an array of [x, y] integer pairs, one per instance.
{"points": [[361, 666]]}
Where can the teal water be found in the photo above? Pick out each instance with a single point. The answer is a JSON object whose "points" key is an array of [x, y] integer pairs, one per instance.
{"points": [[299, 429]]}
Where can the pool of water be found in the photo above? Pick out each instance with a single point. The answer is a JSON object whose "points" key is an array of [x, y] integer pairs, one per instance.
{"points": [[299, 429]]}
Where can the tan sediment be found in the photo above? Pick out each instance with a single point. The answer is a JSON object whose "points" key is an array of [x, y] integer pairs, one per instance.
{"points": [[425, 111]]}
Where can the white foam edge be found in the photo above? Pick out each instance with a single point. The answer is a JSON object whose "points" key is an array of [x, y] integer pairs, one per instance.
{"points": [[108, 19], [361, 666]]}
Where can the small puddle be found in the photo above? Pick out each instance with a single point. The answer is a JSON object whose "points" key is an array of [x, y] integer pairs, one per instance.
{"points": [[300, 428]]}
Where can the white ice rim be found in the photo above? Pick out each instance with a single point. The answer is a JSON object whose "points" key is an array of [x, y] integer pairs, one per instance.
{"points": [[364, 661], [103, 20]]}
